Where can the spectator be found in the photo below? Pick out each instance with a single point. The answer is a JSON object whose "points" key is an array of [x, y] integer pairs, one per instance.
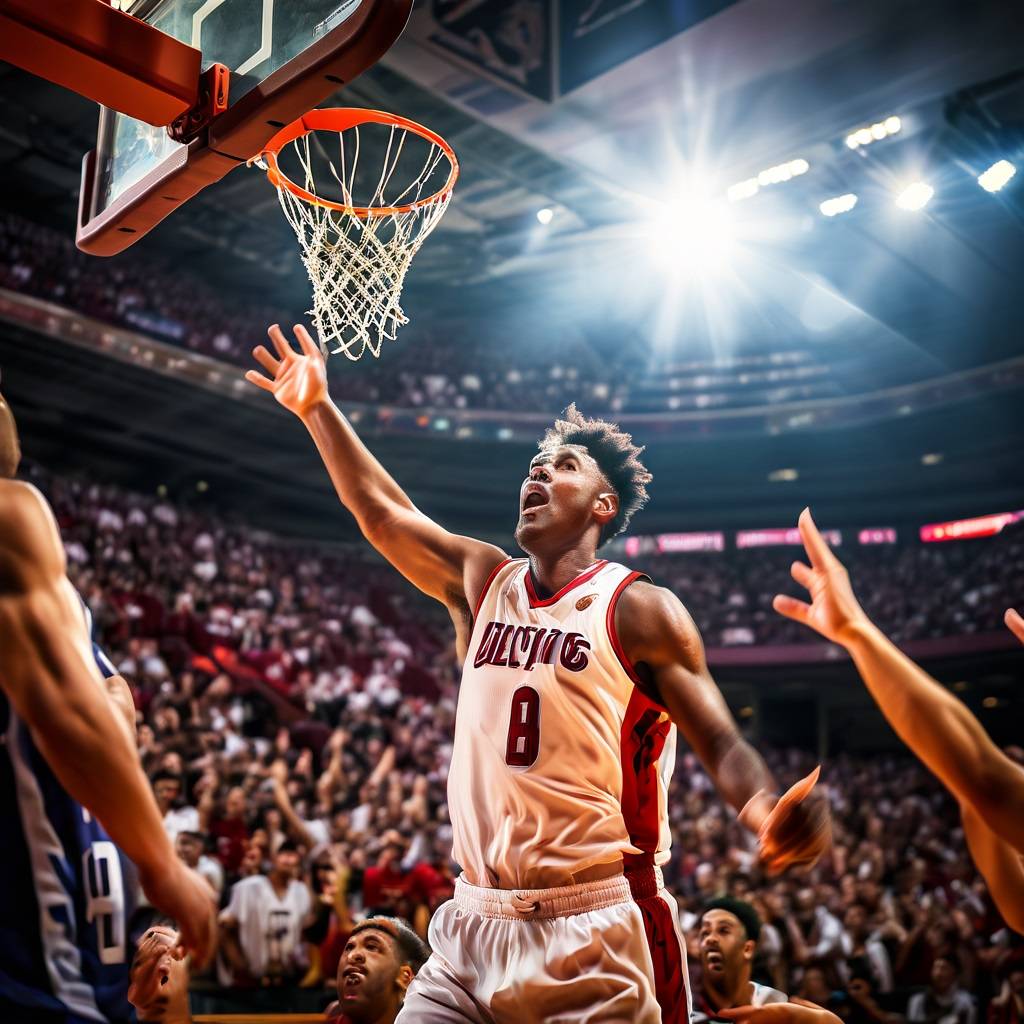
{"points": [[864, 954], [1008, 1006], [943, 1001], [167, 788], [189, 846], [261, 928]]}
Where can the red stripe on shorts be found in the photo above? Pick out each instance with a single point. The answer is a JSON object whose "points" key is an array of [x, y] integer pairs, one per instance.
{"points": [[669, 966]]}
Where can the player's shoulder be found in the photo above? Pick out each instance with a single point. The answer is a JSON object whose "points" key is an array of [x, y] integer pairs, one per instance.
{"points": [[653, 624], [29, 539], [647, 599]]}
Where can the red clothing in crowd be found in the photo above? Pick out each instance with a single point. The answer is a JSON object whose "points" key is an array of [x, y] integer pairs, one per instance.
{"points": [[385, 886], [231, 837]]}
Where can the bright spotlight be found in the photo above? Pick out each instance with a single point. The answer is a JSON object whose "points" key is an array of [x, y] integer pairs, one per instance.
{"points": [[893, 124], [743, 190], [799, 166], [864, 137], [693, 233], [545, 215], [915, 196], [997, 176], [838, 204], [878, 131]]}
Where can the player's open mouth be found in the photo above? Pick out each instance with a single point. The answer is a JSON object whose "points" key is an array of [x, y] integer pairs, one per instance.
{"points": [[535, 497], [353, 977], [715, 961]]}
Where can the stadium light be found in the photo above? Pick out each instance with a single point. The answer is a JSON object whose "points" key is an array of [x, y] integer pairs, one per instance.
{"points": [[783, 476], [997, 176], [931, 458], [874, 132], [769, 176], [838, 204], [915, 196], [545, 215], [693, 233]]}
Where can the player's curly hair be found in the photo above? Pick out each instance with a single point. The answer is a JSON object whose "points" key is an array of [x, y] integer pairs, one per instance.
{"points": [[411, 949], [616, 456]]}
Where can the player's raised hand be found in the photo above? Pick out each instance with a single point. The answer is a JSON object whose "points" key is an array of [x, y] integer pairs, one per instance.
{"points": [[834, 610], [798, 829], [1014, 623], [298, 379], [186, 897]]}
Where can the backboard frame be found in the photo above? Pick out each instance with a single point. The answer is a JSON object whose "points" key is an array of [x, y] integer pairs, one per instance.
{"points": [[237, 135]]}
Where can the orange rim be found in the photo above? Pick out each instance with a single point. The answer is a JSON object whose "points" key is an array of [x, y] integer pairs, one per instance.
{"points": [[340, 119]]}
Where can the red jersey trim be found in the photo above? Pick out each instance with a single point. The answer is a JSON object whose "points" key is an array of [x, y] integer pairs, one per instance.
{"points": [[613, 633], [587, 574], [487, 586]]}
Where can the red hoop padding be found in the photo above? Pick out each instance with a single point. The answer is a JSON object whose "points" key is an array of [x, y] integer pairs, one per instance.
{"points": [[340, 119]]}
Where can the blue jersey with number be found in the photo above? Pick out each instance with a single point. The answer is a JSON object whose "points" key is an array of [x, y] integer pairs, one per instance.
{"points": [[65, 893]]}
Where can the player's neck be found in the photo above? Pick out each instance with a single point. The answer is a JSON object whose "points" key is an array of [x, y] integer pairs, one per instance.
{"points": [[739, 994], [552, 571]]}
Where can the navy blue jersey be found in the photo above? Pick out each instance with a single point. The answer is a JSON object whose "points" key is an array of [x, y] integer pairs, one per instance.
{"points": [[66, 893]]}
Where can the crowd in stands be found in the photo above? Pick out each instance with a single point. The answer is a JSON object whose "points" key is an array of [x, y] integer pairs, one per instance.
{"points": [[913, 591], [295, 716], [441, 365]]}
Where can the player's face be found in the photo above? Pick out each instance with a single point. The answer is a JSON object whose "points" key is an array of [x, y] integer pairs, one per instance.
{"points": [[10, 449], [724, 946], [369, 975], [559, 495]]}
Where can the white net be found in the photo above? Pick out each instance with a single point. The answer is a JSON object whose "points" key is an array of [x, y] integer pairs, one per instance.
{"points": [[357, 263]]}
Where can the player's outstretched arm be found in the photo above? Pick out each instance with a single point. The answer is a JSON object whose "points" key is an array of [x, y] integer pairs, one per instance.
{"points": [[1000, 864], [940, 729], [661, 640], [796, 1011], [52, 682], [445, 566]]}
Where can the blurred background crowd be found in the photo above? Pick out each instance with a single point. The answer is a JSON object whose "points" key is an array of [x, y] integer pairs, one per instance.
{"points": [[295, 716]]}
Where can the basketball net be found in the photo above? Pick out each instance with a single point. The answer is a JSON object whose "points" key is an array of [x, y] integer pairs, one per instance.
{"points": [[358, 253]]}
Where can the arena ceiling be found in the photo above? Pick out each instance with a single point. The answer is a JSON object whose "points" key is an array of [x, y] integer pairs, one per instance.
{"points": [[911, 295]]}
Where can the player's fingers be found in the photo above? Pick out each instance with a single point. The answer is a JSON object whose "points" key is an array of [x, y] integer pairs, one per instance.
{"points": [[262, 356], [284, 350], [802, 573], [817, 547], [799, 611], [257, 378], [306, 343], [799, 791], [1014, 623]]}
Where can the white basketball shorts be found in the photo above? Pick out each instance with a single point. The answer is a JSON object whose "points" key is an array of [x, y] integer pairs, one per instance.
{"points": [[578, 953]]}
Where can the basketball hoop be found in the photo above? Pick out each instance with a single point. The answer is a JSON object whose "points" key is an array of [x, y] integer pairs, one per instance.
{"points": [[357, 247]]}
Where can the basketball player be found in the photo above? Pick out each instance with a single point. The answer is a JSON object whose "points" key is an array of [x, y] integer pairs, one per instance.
{"points": [[937, 727], [575, 671], [71, 785]]}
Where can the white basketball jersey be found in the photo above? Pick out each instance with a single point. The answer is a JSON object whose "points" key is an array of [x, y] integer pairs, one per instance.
{"points": [[561, 762]]}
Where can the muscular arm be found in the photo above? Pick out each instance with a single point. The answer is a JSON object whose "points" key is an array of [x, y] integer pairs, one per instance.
{"points": [[661, 640], [936, 726], [446, 566], [52, 682], [1000, 864]]}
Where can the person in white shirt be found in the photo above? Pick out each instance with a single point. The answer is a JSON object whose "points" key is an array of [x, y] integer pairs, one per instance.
{"points": [[943, 1002], [261, 928], [863, 951], [167, 788]]}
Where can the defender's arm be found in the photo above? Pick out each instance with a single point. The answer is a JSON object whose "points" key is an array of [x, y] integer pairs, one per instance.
{"points": [[52, 682], [446, 566]]}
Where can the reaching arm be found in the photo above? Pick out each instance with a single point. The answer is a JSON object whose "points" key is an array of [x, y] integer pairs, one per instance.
{"points": [[661, 640], [52, 682], [1000, 864], [279, 777], [448, 567], [936, 726]]}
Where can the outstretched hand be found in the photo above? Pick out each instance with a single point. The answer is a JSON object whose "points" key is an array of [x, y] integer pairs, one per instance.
{"points": [[298, 380], [158, 986], [1014, 623], [798, 830], [796, 1011], [834, 611]]}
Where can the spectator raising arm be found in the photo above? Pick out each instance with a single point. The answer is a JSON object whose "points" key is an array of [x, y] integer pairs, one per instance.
{"points": [[295, 824], [930, 720]]}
